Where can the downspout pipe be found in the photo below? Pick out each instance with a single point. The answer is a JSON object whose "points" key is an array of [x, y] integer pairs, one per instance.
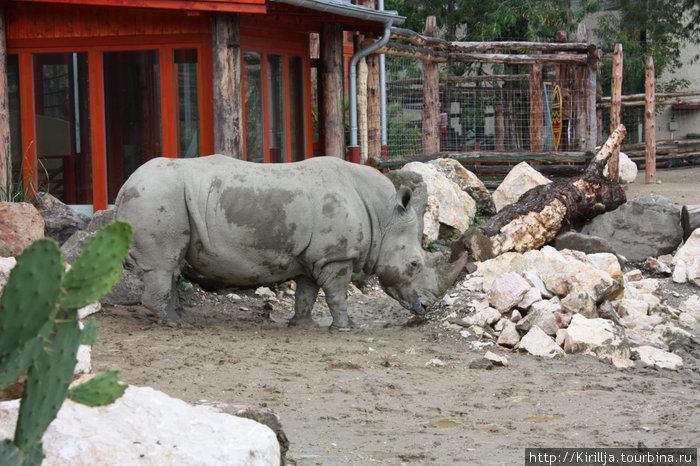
{"points": [[354, 147], [382, 94]]}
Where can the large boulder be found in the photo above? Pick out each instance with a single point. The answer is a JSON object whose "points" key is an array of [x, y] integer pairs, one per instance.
{"points": [[20, 225], [447, 206], [640, 228], [61, 221], [519, 180], [145, 426], [468, 182]]}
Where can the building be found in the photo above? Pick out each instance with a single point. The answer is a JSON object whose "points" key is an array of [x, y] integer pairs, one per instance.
{"points": [[96, 88]]}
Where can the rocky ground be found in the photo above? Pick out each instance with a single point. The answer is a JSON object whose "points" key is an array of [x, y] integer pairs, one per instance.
{"points": [[398, 391]]}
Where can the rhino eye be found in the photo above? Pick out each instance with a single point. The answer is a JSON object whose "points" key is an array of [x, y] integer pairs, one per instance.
{"points": [[414, 263]]}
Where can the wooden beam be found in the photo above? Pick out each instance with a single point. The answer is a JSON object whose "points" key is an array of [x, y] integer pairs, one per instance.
{"points": [[650, 124], [658, 101], [659, 95], [431, 97], [427, 41], [362, 121], [374, 106], [438, 56], [331, 106], [616, 93], [463, 79], [226, 76], [5, 158]]}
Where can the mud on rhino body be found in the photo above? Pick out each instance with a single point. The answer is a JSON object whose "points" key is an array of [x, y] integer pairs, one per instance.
{"points": [[321, 222]]}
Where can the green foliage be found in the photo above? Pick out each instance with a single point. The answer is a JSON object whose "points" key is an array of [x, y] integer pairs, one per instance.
{"points": [[185, 285], [13, 188], [432, 247], [656, 28], [40, 333], [101, 390]]}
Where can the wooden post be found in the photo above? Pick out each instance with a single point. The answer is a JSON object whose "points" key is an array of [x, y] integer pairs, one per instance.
{"points": [[650, 123], [616, 94], [585, 110], [536, 107], [499, 129], [431, 97], [374, 106], [362, 122], [226, 70], [5, 159], [599, 115], [331, 106]]}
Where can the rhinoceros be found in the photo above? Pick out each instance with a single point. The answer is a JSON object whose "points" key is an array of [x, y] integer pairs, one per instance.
{"points": [[322, 222]]}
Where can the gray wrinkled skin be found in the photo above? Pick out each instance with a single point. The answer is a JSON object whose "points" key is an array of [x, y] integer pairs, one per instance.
{"points": [[322, 222]]}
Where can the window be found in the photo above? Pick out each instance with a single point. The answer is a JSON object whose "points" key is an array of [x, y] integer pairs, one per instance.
{"points": [[187, 102], [277, 83]]}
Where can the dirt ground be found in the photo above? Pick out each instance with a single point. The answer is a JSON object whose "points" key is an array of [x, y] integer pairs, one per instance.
{"points": [[370, 396]]}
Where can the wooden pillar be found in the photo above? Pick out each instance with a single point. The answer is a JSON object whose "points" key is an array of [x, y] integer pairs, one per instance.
{"points": [[536, 107], [499, 129], [5, 159], [331, 106], [599, 115], [374, 106], [650, 123], [616, 97], [585, 113], [431, 97], [362, 116], [228, 101]]}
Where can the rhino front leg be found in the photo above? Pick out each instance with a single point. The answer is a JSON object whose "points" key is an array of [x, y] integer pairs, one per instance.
{"points": [[335, 279], [306, 293]]}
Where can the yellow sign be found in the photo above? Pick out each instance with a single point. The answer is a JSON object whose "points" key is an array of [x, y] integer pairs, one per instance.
{"points": [[556, 116]]}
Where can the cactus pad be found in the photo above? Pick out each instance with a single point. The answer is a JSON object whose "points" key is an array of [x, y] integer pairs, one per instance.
{"points": [[88, 335], [101, 390], [29, 299], [48, 380], [98, 268]]}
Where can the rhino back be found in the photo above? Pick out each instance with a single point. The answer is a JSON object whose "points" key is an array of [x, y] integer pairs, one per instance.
{"points": [[254, 223]]}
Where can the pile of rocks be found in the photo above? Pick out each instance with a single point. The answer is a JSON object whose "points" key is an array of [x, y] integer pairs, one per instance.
{"points": [[550, 303]]}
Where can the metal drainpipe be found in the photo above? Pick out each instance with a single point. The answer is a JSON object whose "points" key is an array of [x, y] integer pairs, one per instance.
{"points": [[382, 94], [354, 147]]}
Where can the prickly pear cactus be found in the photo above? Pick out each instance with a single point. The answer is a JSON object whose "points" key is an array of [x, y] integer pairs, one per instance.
{"points": [[40, 333], [28, 307], [97, 269]]}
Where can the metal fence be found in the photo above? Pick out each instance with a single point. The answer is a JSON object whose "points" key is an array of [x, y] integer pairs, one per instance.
{"points": [[482, 112]]}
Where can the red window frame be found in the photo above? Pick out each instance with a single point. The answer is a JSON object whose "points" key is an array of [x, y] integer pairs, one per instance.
{"points": [[95, 46], [286, 48]]}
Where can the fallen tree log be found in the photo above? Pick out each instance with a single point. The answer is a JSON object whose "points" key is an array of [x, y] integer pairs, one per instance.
{"points": [[536, 218]]}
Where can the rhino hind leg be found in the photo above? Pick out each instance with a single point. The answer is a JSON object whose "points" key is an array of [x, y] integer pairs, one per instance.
{"points": [[160, 296], [306, 293]]}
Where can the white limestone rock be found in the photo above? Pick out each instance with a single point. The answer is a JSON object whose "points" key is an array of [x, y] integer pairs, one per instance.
{"points": [[145, 426], [538, 343], [627, 169], [690, 249], [507, 291], [597, 336], [454, 207], [659, 358], [520, 179]]}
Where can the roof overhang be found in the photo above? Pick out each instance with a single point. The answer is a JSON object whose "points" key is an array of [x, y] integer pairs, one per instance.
{"points": [[231, 6], [346, 9]]}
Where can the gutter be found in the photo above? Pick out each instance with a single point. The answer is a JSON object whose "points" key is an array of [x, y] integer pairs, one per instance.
{"points": [[345, 8]]}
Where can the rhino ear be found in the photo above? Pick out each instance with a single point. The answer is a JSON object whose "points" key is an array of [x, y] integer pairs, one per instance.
{"points": [[403, 198]]}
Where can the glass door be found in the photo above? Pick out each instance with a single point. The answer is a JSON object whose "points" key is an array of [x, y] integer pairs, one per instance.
{"points": [[132, 113], [62, 126]]}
